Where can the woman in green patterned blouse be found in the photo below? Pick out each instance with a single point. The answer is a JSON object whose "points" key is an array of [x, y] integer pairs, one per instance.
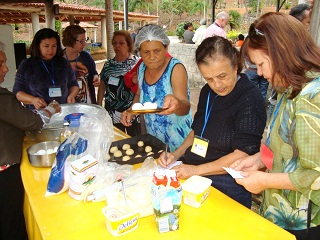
{"points": [[287, 56]]}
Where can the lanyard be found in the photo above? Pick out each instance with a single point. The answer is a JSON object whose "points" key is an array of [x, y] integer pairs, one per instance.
{"points": [[275, 114], [51, 75], [207, 115], [217, 25]]}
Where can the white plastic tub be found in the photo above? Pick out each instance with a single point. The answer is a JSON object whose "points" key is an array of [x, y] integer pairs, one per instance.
{"points": [[196, 190]]}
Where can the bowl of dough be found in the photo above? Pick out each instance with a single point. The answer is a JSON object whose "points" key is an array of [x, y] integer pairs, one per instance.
{"points": [[43, 154]]}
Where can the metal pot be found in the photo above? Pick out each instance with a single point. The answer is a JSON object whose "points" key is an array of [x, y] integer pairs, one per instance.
{"points": [[42, 160], [45, 134]]}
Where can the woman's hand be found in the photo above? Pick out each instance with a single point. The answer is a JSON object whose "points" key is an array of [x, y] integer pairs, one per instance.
{"points": [[254, 181], [126, 118], [185, 171], [73, 92], [38, 102], [96, 81], [163, 162], [71, 99], [250, 163], [170, 102]]}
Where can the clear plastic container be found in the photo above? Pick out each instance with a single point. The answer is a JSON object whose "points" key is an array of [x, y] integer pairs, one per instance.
{"points": [[66, 132]]}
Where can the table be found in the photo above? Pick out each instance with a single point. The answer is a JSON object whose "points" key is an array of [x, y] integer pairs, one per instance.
{"points": [[62, 217]]}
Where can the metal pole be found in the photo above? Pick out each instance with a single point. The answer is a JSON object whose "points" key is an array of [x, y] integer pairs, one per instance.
{"points": [[125, 13], [213, 10]]}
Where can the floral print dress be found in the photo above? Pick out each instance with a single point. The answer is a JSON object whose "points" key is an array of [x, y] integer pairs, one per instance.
{"points": [[295, 142]]}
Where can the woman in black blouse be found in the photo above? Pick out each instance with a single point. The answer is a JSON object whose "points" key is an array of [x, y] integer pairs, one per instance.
{"points": [[228, 124]]}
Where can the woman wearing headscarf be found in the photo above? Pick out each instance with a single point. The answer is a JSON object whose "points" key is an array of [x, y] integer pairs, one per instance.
{"points": [[162, 80]]}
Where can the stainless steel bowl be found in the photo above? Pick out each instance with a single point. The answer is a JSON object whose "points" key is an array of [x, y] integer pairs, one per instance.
{"points": [[46, 134], [44, 160]]}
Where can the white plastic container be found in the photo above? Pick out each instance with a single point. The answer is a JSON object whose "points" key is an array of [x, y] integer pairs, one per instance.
{"points": [[196, 190], [121, 219]]}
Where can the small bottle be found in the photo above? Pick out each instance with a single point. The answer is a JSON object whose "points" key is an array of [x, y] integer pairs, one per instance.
{"points": [[66, 132]]}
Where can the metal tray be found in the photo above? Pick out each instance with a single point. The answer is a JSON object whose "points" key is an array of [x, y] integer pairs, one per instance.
{"points": [[149, 140]]}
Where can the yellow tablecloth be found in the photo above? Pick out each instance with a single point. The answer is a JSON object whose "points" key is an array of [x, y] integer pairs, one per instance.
{"points": [[62, 217]]}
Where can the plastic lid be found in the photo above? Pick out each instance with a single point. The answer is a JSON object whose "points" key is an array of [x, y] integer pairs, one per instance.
{"points": [[73, 119]]}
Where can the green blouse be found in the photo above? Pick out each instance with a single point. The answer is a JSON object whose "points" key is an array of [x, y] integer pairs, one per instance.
{"points": [[295, 142]]}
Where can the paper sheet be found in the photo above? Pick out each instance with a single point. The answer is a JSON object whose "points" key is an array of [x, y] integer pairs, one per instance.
{"points": [[177, 163], [233, 173]]}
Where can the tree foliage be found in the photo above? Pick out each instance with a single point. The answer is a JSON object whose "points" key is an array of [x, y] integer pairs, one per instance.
{"points": [[178, 7], [235, 19]]}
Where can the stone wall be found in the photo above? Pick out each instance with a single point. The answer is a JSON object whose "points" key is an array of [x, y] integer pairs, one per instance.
{"points": [[186, 54]]}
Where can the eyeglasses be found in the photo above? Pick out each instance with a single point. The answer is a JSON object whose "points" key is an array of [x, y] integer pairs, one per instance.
{"points": [[81, 41], [254, 31]]}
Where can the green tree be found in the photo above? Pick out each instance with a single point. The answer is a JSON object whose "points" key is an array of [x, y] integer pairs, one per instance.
{"points": [[235, 19], [199, 6], [177, 7], [137, 4], [97, 3]]}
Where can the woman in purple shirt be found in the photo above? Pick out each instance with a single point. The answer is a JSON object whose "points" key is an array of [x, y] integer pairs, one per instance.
{"points": [[46, 75]]}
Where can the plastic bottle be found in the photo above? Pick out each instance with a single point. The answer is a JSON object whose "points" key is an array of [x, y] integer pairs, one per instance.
{"points": [[66, 132]]}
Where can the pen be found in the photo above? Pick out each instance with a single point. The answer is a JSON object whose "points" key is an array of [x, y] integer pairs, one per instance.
{"points": [[166, 154]]}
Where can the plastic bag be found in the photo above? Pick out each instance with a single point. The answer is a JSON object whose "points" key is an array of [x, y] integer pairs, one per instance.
{"points": [[71, 149], [137, 183], [95, 134]]}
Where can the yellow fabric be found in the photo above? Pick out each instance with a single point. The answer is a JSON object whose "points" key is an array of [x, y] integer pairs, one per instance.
{"points": [[62, 217]]}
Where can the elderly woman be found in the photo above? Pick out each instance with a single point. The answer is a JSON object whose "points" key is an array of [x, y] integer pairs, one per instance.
{"points": [[74, 39], [162, 80], [228, 124], [14, 121], [117, 96], [291, 184], [46, 75]]}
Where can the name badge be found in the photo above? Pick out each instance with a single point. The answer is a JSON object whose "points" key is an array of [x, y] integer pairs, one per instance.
{"points": [[113, 81], [55, 92], [200, 146]]}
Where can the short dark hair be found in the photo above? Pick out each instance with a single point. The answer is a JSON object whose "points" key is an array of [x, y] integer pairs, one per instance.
{"points": [[187, 25], [241, 36], [42, 34], [217, 46], [70, 35], [299, 11]]}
